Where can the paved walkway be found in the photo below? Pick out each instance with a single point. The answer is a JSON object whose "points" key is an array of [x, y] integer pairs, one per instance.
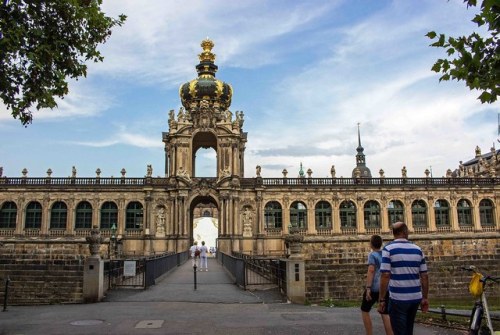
{"points": [[213, 286], [172, 306]]}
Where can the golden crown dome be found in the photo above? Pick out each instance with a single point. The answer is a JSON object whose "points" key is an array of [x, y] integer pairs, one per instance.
{"points": [[206, 86]]}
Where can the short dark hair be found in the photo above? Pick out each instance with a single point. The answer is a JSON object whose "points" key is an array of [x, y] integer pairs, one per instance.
{"points": [[399, 228], [376, 241]]}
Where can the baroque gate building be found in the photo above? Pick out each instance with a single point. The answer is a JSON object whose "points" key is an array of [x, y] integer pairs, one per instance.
{"points": [[255, 215]]}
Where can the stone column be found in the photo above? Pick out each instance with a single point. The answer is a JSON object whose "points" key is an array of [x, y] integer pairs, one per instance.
{"points": [[120, 224], [360, 217], [237, 224], [96, 213], [230, 216], [335, 215], [183, 214], [311, 219], [286, 217], [222, 231], [147, 214], [93, 274], [295, 270], [384, 217], [431, 216], [21, 210], [260, 225], [407, 215], [453, 216], [167, 172], [70, 219]]}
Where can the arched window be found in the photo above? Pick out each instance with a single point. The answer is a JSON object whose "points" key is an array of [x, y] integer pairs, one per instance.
{"points": [[323, 215], [273, 215], [372, 214], [486, 213], [298, 215], [83, 218], [419, 214], [442, 213], [109, 215], [58, 215], [33, 218], [8, 215], [395, 211], [464, 212], [133, 218], [347, 214]]}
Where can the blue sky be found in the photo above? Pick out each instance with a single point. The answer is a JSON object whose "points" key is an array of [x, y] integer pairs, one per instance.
{"points": [[303, 72]]}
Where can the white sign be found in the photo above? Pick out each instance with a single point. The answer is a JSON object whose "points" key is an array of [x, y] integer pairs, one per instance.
{"points": [[129, 268]]}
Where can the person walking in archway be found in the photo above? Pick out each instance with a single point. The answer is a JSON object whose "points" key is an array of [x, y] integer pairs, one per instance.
{"points": [[203, 256]]}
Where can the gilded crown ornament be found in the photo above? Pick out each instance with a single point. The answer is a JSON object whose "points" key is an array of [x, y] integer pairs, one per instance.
{"points": [[207, 54]]}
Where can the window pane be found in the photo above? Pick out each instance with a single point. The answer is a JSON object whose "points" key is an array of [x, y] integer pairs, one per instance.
{"points": [[83, 219], [8, 215], [33, 218]]}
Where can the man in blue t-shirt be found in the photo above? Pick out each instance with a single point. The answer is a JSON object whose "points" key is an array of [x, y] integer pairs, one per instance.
{"points": [[404, 273]]}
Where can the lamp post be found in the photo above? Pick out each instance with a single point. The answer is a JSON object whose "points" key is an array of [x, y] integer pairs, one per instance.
{"points": [[112, 240]]}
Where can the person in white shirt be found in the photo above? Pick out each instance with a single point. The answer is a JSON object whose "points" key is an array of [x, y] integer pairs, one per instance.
{"points": [[203, 256], [194, 252]]}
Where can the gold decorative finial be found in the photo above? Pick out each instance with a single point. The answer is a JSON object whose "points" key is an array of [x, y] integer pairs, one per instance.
{"points": [[207, 54]]}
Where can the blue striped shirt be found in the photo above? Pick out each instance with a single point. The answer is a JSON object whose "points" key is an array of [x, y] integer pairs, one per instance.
{"points": [[405, 262]]}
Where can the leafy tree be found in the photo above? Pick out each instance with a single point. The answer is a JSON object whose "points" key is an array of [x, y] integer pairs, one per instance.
{"points": [[44, 42], [477, 56]]}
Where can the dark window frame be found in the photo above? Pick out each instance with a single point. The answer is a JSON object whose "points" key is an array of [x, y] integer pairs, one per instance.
{"points": [[8, 215]]}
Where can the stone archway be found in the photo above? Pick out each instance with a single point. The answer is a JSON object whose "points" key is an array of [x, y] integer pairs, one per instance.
{"points": [[204, 214]]}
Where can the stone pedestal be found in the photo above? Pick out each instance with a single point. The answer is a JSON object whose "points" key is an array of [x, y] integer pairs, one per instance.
{"points": [[296, 281], [93, 280]]}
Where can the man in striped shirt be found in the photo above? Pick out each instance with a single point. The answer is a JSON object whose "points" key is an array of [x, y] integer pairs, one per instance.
{"points": [[404, 273]]}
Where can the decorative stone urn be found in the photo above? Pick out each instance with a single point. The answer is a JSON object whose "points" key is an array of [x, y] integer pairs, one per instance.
{"points": [[294, 242], [95, 240]]}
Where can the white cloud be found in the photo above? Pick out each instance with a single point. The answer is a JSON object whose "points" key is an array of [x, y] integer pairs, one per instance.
{"points": [[379, 75], [124, 137], [160, 40]]}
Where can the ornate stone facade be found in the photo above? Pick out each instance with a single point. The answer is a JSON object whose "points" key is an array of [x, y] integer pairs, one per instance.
{"points": [[255, 214]]}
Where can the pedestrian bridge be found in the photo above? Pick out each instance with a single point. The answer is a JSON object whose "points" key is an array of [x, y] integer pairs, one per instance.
{"points": [[212, 286]]}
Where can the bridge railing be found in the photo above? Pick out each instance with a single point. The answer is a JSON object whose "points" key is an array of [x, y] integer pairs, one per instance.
{"points": [[255, 272], [140, 272]]}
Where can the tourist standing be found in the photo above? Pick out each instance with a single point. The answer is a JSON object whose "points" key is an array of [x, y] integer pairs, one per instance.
{"points": [[371, 292], [194, 252], [404, 274], [203, 257]]}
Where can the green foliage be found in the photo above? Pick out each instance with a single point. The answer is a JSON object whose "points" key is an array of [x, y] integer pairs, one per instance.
{"points": [[477, 57], [42, 43], [328, 303]]}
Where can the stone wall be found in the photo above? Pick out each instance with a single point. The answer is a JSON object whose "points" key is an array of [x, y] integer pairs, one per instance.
{"points": [[336, 269], [42, 273]]}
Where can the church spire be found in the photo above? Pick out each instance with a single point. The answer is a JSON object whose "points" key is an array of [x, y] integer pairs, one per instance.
{"points": [[360, 160], [359, 139]]}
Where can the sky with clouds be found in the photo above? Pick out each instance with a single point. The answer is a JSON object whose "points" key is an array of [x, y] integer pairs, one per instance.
{"points": [[303, 72]]}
